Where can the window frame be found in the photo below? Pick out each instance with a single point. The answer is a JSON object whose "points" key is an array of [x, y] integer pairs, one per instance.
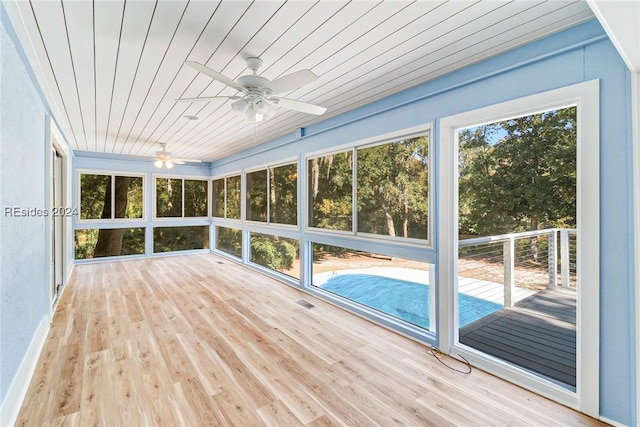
{"points": [[585, 96], [416, 131], [182, 178], [265, 168], [112, 175], [225, 177]]}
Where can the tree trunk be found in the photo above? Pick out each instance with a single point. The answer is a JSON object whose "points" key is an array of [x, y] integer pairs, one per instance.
{"points": [[110, 240], [315, 173], [390, 226], [533, 242], [405, 219], [273, 206]]}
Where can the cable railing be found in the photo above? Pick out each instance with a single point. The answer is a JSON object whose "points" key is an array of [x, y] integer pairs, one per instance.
{"points": [[523, 263]]}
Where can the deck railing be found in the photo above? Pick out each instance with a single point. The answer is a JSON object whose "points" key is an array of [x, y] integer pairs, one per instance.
{"points": [[530, 259]]}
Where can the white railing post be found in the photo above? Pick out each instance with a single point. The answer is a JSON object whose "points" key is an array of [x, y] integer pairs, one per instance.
{"points": [[565, 266], [509, 269], [553, 259]]}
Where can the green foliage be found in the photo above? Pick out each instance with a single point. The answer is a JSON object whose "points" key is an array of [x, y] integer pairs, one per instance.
{"points": [[257, 195], [170, 239], [330, 191], [168, 197], [233, 197], [519, 174], [393, 188], [273, 252], [196, 198], [87, 240], [218, 198], [229, 240], [283, 206], [93, 192]]}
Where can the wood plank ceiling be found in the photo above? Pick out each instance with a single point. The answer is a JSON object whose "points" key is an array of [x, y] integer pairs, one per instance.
{"points": [[112, 69]]}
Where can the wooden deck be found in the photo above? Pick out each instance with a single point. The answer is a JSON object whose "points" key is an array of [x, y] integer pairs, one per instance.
{"points": [[537, 334], [198, 340]]}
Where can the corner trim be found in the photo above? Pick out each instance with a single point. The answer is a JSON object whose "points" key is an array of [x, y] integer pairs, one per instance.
{"points": [[18, 388]]}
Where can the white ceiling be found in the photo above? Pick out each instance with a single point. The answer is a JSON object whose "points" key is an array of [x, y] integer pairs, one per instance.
{"points": [[112, 69]]}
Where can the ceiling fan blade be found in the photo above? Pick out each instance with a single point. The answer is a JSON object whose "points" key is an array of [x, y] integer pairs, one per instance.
{"points": [[206, 98], [303, 107], [215, 75], [292, 81], [183, 161]]}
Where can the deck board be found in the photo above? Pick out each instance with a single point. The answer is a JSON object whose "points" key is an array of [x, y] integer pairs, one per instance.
{"points": [[537, 334]]}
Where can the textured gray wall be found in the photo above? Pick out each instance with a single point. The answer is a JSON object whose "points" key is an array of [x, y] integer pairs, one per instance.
{"points": [[24, 291]]}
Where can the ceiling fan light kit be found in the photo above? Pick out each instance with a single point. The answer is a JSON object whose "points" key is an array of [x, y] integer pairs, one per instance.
{"points": [[164, 158], [258, 103]]}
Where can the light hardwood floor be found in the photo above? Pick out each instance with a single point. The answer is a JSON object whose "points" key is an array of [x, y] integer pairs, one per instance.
{"points": [[199, 340]]}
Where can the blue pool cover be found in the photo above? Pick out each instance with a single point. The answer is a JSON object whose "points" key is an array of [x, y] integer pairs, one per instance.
{"points": [[402, 299]]}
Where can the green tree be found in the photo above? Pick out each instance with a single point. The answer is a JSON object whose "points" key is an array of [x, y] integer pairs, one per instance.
{"points": [[524, 180], [331, 191], [393, 188]]}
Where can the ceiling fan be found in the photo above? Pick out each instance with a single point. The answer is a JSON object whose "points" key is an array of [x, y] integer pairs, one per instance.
{"points": [[164, 158], [258, 102]]}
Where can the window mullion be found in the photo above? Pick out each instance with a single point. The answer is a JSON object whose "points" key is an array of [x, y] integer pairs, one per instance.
{"points": [[183, 191], [354, 193], [268, 196], [113, 196]]}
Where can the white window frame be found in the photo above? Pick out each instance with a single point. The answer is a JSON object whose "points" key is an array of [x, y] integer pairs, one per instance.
{"points": [[585, 96], [265, 168], [225, 218], [112, 175], [388, 138], [182, 178]]}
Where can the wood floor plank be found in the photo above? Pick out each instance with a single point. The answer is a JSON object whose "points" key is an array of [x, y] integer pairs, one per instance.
{"points": [[199, 340]]}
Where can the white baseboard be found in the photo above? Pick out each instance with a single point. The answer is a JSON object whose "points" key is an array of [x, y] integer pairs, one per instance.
{"points": [[18, 389]]}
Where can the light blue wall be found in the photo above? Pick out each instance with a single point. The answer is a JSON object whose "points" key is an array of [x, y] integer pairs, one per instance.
{"points": [[579, 54], [24, 291]]}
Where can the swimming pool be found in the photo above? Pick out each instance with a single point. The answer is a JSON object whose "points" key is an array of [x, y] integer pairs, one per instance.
{"points": [[402, 299]]}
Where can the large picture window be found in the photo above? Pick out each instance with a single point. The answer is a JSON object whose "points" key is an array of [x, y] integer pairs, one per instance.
{"points": [[107, 242], [110, 196], [226, 197], [171, 239], [276, 253], [181, 198], [272, 195], [391, 189], [229, 240]]}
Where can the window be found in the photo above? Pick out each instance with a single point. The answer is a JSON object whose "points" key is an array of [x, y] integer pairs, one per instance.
{"points": [[398, 287], [229, 240], [178, 198], [543, 127], [331, 191], [276, 253], [391, 189], [110, 196], [196, 198], [170, 239], [257, 189], [226, 197], [217, 206], [106, 242], [272, 195]]}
